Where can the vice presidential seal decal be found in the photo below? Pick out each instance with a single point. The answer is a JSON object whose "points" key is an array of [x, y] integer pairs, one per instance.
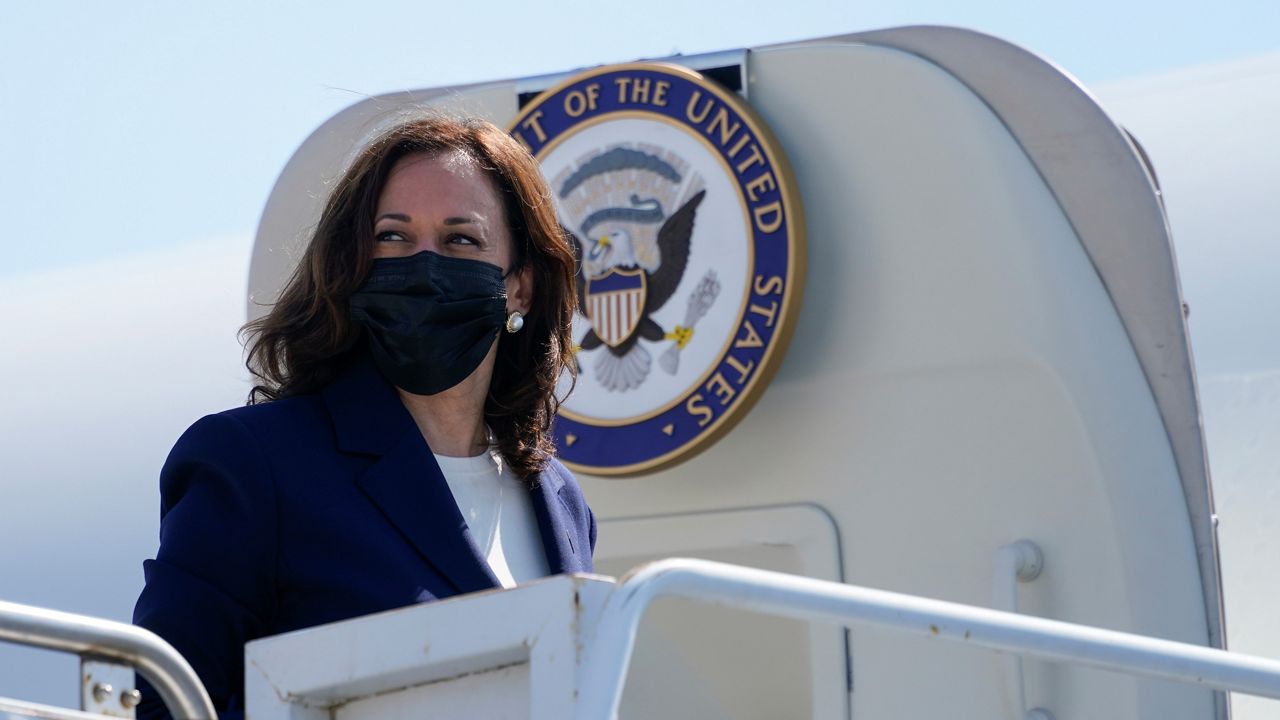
{"points": [[689, 237]]}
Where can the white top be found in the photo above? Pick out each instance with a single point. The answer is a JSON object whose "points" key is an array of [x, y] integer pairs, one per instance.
{"points": [[499, 511]]}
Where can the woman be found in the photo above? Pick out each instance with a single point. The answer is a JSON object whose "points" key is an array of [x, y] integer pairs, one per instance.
{"points": [[396, 447]]}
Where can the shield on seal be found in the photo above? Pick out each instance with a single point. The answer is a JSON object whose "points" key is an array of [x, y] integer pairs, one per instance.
{"points": [[615, 303]]}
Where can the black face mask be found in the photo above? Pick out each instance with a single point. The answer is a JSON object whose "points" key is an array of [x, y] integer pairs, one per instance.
{"points": [[430, 319]]}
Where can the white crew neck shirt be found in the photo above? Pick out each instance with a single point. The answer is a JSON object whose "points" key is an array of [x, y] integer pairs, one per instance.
{"points": [[499, 511]]}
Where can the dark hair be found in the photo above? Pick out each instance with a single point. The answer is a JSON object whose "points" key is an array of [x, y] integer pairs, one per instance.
{"points": [[308, 336]]}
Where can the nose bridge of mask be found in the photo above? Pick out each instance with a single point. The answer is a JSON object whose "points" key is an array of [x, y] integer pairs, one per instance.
{"points": [[429, 273]]}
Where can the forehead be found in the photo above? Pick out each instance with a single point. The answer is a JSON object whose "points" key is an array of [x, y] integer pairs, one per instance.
{"points": [[446, 182]]}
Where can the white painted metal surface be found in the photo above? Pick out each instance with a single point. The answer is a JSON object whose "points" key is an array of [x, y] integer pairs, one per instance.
{"points": [[1107, 193], [560, 648], [107, 688], [98, 640], [1017, 562], [19, 710], [680, 669], [499, 654], [605, 662]]}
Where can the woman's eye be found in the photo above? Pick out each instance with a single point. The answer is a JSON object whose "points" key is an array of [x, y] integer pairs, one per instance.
{"points": [[463, 240], [390, 236]]}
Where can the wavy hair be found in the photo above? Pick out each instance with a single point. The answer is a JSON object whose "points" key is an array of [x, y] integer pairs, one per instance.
{"points": [[308, 336]]}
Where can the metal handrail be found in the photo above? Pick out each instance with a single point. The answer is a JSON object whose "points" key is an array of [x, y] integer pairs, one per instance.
{"points": [[86, 636], [1017, 562], [36, 711], [608, 654]]}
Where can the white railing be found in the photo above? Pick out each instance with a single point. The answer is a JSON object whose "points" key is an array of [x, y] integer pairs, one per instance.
{"points": [[96, 640], [1018, 562], [609, 654]]}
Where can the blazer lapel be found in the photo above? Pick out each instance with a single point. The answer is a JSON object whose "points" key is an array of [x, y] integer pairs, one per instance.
{"points": [[405, 483], [555, 525]]}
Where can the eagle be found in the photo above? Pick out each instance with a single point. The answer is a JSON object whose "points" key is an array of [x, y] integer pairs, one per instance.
{"points": [[618, 293], [628, 211]]}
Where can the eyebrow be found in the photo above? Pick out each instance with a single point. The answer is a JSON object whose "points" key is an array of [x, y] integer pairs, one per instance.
{"points": [[447, 221]]}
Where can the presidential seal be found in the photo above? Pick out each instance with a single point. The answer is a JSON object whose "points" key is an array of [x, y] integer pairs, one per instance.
{"points": [[689, 237]]}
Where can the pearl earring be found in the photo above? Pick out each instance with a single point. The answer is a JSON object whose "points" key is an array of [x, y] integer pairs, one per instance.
{"points": [[515, 321]]}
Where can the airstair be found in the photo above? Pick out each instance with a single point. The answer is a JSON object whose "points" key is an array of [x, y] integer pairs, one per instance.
{"points": [[560, 648]]}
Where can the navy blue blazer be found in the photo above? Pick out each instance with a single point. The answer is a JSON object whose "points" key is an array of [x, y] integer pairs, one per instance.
{"points": [[312, 509]]}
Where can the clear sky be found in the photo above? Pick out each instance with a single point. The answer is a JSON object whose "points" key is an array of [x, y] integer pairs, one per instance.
{"points": [[139, 141], [131, 126]]}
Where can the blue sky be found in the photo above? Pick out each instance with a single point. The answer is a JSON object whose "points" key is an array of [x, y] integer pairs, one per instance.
{"points": [[126, 127]]}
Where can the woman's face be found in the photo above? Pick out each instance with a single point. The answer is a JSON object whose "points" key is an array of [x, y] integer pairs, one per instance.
{"points": [[446, 204]]}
